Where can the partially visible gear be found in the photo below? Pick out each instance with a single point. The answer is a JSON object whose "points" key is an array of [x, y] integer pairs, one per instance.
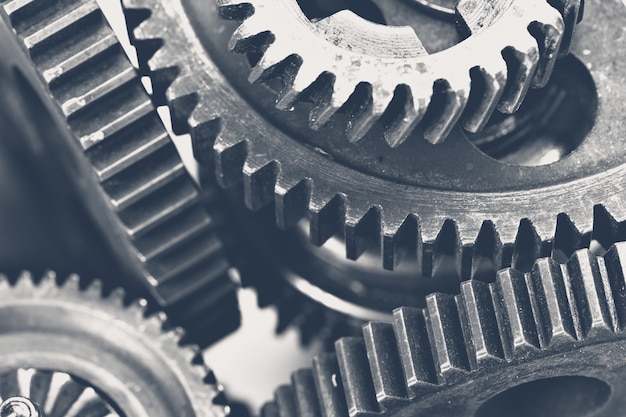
{"points": [[510, 46], [104, 135], [546, 342], [76, 352], [449, 205]]}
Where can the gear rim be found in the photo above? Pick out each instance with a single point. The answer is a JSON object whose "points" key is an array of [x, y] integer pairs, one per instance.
{"points": [[190, 392]]}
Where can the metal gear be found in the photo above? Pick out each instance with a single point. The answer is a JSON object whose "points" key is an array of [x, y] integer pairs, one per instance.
{"points": [[108, 142], [510, 46], [76, 352], [545, 342], [449, 205]]}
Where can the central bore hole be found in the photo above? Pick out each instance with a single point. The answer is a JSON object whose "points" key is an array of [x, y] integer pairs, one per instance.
{"points": [[551, 123], [566, 396]]}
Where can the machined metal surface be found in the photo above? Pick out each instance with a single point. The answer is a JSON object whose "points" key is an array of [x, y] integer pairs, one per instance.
{"points": [[100, 130], [76, 352]]}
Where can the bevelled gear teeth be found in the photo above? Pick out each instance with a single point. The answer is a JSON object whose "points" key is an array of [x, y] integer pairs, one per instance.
{"points": [[531, 36], [144, 193], [552, 311]]}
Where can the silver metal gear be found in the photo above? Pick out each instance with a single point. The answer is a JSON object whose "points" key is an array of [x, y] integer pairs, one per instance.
{"points": [[510, 46], [106, 140], [542, 343], [76, 352]]}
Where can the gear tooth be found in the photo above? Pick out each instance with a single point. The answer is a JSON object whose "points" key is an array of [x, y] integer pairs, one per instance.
{"points": [[235, 9], [329, 385], [182, 102], [401, 241], [292, 201], [446, 337], [548, 31], [527, 247], [572, 13], [487, 253], [307, 403], [415, 350], [270, 410], [413, 110], [259, 182], [285, 401], [329, 103], [590, 293], [95, 289], [567, 239], [550, 294], [72, 283], [49, 279], [274, 62], [327, 218], [305, 76], [363, 231], [514, 312], [522, 60], [449, 100], [231, 153], [615, 262], [447, 253], [385, 365], [606, 230], [479, 323], [204, 132], [251, 36], [356, 377], [488, 83], [368, 113], [13, 7]]}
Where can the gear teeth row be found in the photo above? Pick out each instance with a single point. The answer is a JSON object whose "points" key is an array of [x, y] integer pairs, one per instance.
{"points": [[477, 251], [518, 318], [134, 160], [434, 98]]}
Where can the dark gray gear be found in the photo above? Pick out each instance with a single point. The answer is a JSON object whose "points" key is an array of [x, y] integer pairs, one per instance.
{"points": [[452, 209], [543, 343], [84, 111], [76, 352]]}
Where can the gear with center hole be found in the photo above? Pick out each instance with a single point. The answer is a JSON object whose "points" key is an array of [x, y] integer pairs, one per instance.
{"points": [[510, 46], [76, 352]]}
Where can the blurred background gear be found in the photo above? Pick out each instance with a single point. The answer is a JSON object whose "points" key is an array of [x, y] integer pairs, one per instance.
{"points": [[537, 343], [76, 352], [80, 115], [502, 50]]}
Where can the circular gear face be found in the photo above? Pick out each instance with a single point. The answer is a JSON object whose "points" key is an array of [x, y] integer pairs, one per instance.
{"points": [[510, 46], [545, 342], [450, 204], [73, 352]]}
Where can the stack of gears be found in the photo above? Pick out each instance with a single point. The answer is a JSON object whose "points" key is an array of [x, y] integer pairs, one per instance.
{"points": [[432, 189]]}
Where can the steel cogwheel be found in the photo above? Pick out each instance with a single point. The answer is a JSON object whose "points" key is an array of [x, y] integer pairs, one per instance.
{"points": [[453, 358], [75, 352], [511, 45], [450, 204], [123, 160]]}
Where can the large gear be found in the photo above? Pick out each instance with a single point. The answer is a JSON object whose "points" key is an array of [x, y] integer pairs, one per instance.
{"points": [[546, 342], [509, 46], [76, 352], [446, 205], [108, 142]]}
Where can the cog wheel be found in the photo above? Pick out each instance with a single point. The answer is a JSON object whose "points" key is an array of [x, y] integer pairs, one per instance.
{"points": [[450, 205], [108, 142], [76, 352], [510, 46], [545, 342]]}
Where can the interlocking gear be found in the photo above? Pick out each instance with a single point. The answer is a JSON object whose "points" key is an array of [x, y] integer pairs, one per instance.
{"points": [[449, 205], [510, 46], [108, 142], [538, 343], [76, 352]]}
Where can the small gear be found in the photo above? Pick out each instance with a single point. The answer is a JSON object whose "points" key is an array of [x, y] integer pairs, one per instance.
{"points": [[106, 140], [546, 342], [510, 46], [450, 205], [76, 352]]}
